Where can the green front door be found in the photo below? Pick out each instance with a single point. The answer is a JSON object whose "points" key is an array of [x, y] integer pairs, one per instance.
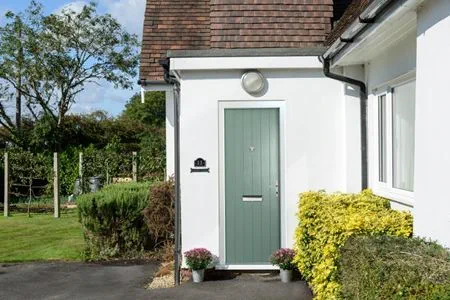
{"points": [[252, 203]]}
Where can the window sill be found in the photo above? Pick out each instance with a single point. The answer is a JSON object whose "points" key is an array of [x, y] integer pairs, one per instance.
{"points": [[398, 196]]}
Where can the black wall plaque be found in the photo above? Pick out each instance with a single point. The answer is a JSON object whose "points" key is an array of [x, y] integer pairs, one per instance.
{"points": [[200, 163], [199, 166]]}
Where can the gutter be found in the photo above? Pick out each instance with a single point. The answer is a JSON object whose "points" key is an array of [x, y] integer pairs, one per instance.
{"points": [[144, 82], [365, 20], [172, 80], [377, 12]]}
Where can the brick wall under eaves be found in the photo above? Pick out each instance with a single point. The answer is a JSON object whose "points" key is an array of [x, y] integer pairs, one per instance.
{"points": [[230, 24]]}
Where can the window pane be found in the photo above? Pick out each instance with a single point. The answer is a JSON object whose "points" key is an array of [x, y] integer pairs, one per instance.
{"points": [[382, 163], [403, 119]]}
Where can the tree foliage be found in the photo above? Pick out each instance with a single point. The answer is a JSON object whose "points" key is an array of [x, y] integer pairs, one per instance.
{"points": [[59, 55], [152, 112]]}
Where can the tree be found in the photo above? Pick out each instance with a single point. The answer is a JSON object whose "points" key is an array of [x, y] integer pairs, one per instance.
{"points": [[12, 61], [60, 54], [152, 112]]}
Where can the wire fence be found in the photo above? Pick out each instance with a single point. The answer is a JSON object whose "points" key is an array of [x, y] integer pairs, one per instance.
{"points": [[30, 177]]}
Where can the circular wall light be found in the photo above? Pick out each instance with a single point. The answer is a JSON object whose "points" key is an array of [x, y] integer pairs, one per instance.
{"points": [[253, 82]]}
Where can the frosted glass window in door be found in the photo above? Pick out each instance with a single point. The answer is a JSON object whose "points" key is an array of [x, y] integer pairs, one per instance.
{"points": [[403, 121]]}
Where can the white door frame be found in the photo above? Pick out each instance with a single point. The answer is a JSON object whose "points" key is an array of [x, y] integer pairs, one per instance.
{"points": [[283, 213]]}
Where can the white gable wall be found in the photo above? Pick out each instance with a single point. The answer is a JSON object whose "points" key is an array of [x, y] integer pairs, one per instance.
{"points": [[432, 176], [315, 143]]}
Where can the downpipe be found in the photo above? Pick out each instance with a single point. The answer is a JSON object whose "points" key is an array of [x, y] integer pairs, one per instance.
{"points": [[165, 63], [363, 111]]}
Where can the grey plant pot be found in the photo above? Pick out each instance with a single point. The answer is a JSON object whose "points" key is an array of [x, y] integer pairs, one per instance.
{"points": [[286, 275], [198, 275]]}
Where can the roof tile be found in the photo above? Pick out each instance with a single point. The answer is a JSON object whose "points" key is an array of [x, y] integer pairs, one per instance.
{"points": [[231, 24]]}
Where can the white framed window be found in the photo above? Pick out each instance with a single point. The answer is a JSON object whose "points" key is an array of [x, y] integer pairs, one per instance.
{"points": [[394, 142]]}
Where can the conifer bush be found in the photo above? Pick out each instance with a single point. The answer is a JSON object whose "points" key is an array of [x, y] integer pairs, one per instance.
{"points": [[113, 222], [326, 221]]}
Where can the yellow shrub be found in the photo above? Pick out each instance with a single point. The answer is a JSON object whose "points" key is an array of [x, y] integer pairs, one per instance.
{"points": [[326, 221]]}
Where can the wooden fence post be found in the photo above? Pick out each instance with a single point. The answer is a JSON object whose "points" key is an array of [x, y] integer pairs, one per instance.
{"points": [[56, 199], [80, 170], [135, 167], [6, 188]]}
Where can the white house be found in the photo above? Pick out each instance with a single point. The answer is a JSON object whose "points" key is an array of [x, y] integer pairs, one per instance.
{"points": [[265, 110]]}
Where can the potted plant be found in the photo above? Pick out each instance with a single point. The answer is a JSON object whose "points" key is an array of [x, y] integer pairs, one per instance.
{"points": [[284, 259], [198, 260]]}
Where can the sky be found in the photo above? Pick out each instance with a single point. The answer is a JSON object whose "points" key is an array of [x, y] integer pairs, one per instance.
{"points": [[130, 13]]}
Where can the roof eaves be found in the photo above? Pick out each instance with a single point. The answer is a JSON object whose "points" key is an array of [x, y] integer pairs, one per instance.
{"points": [[257, 52], [355, 27]]}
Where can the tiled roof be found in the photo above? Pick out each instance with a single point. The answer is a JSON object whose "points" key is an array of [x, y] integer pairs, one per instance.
{"points": [[230, 24], [172, 25], [351, 14], [269, 23]]}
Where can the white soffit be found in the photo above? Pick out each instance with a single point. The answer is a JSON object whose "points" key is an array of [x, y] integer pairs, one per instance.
{"points": [[378, 38], [234, 63]]}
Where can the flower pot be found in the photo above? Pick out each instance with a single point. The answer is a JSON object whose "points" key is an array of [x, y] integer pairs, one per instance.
{"points": [[198, 275], [286, 275]]}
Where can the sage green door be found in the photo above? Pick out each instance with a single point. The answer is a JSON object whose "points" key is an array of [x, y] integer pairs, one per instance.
{"points": [[252, 205]]}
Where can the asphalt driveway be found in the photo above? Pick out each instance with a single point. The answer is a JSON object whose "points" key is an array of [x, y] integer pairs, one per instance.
{"points": [[245, 286], [74, 281], [95, 281]]}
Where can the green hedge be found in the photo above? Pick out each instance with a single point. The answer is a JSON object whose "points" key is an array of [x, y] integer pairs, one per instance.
{"points": [[383, 267], [113, 222], [326, 221]]}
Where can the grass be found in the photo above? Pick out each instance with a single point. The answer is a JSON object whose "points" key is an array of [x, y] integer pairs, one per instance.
{"points": [[41, 238]]}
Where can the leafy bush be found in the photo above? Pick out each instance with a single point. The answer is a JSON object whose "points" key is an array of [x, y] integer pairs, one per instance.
{"points": [[198, 258], [68, 169], [383, 267], [326, 221], [113, 222], [160, 213], [25, 169]]}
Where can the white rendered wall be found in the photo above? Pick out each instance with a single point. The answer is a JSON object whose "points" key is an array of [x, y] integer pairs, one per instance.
{"points": [[391, 64], [170, 134], [432, 161], [352, 130], [315, 143]]}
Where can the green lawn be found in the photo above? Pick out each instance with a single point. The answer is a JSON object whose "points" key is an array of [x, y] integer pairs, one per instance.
{"points": [[40, 237]]}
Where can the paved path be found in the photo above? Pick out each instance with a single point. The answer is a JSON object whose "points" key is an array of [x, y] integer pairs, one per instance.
{"points": [[95, 281]]}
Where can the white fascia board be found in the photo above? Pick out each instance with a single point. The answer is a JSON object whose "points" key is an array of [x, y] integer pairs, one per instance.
{"points": [[233, 63], [154, 88]]}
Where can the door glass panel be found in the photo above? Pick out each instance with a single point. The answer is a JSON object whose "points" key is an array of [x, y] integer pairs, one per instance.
{"points": [[403, 127]]}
